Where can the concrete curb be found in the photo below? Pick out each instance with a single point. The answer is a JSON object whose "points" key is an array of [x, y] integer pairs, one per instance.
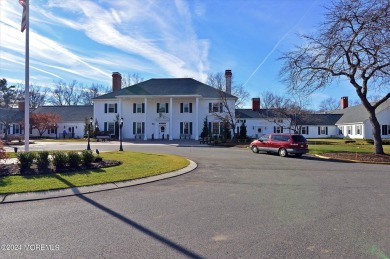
{"points": [[352, 161], [42, 195]]}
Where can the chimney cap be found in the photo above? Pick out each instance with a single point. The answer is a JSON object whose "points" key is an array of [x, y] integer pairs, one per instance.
{"points": [[228, 72]]}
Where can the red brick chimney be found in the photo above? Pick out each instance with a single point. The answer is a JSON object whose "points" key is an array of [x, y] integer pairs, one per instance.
{"points": [[344, 102], [21, 106], [228, 81], [255, 104], [116, 81]]}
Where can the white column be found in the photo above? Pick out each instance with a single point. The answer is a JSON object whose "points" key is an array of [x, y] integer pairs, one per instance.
{"points": [[197, 119], [170, 118], [120, 116], [146, 113]]}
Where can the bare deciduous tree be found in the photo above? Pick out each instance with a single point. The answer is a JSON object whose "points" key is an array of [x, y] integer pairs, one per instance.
{"points": [[227, 113], [93, 91], [131, 79], [329, 104], [293, 108], [353, 43], [218, 81], [66, 94], [37, 96]]}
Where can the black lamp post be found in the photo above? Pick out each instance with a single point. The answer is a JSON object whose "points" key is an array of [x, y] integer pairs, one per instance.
{"points": [[56, 128], [89, 130], [120, 134]]}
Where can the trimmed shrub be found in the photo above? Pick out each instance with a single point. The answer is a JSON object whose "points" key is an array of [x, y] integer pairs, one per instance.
{"points": [[87, 157], [60, 159], [26, 159], [74, 159], [43, 161]]}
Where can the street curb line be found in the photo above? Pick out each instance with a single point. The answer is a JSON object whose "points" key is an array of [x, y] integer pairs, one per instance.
{"points": [[51, 194], [351, 160]]}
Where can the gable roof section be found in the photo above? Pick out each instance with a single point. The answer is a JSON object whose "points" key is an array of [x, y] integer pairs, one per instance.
{"points": [[319, 119], [305, 119], [68, 113], [11, 115], [167, 87], [261, 114], [358, 113]]}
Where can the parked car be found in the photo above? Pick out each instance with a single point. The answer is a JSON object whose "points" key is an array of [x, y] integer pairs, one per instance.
{"points": [[282, 144]]}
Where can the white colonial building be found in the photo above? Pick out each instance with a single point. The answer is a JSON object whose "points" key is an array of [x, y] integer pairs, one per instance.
{"points": [[173, 108]]}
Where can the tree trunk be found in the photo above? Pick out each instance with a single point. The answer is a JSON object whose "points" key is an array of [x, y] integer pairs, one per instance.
{"points": [[376, 132]]}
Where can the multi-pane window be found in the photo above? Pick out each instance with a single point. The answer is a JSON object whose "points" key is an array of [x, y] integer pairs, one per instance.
{"points": [[111, 127], [186, 128], [110, 108], [139, 108], [358, 129], [385, 129], [17, 128], [349, 130], [305, 130], [323, 130], [186, 107], [161, 107], [278, 129], [138, 128], [215, 107], [215, 128]]}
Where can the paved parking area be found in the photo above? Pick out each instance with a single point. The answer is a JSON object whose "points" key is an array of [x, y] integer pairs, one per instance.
{"points": [[236, 204]]}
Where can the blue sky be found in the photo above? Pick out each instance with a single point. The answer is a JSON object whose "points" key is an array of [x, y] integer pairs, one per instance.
{"points": [[87, 40]]}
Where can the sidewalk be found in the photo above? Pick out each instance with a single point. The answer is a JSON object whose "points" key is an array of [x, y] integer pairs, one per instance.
{"points": [[31, 196]]}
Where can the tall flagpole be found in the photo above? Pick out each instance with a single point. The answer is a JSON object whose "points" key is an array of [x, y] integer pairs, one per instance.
{"points": [[27, 82]]}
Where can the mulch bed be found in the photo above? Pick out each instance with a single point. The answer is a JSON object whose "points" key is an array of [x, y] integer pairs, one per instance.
{"points": [[363, 157], [14, 169]]}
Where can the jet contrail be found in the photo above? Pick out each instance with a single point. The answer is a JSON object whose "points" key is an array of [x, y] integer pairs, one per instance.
{"points": [[277, 44]]}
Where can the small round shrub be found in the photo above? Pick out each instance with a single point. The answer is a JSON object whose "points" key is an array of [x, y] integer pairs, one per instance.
{"points": [[26, 159], [87, 157], [60, 159], [74, 159], [42, 158]]}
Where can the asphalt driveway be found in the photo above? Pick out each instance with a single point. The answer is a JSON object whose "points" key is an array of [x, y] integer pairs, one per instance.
{"points": [[236, 204]]}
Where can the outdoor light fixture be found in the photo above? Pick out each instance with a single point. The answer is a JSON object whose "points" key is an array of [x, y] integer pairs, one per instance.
{"points": [[120, 134]]}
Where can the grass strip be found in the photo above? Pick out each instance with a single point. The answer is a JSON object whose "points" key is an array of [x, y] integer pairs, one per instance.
{"points": [[135, 165]]}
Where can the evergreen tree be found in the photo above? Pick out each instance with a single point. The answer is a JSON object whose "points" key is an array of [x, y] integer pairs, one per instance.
{"points": [[243, 131], [205, 130]]}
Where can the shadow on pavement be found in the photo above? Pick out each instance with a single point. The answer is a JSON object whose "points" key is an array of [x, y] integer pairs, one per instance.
{"points": [[135, 225]]}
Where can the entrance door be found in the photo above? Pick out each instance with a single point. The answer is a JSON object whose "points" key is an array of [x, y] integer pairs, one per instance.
{"points": [[71, 132], [162, 130]]}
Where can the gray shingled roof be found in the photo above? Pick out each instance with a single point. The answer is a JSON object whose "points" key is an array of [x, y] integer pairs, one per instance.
{"points": [[261, 114], [11, 115], [68, 113], [319, 119], [306, 119], [358, 113], [168, 87]]}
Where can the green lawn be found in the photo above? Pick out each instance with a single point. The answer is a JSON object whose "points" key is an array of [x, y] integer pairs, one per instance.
{"points": [[135, 165], [318, 146]]}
